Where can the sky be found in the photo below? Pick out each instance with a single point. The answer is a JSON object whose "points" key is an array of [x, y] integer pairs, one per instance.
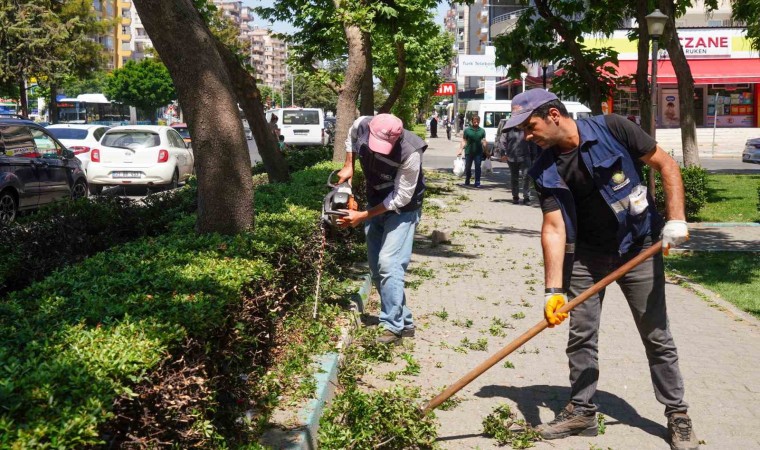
{"points": [[284, 27]]}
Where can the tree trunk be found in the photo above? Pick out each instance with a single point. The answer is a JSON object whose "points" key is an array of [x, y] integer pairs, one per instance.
{"points": [[222, 163], [585, 68], [249, 97], [642, 68], [685, 86], [367, 105], [53, 106], [349, 91], [400, 82], [23, 100]]}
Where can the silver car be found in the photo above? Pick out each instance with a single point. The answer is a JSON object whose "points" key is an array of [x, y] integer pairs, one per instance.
{"points": [[752, 151]]}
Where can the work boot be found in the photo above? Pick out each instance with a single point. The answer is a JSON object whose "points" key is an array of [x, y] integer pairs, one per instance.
{"points": [[682, 435], [408, 332], [569, 423], [388, 337]]}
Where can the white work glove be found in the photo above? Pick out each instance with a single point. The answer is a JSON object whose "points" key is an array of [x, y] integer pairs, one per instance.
{"points": [[675, 233]]}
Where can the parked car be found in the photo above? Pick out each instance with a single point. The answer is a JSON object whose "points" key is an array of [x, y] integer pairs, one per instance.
{"points": [[300, 126], [751, 152], [35, 169], [183, 131], [142, 155], [80, 139]]}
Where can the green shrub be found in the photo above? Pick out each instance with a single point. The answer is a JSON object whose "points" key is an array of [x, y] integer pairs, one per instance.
{"points": [[116, 334], [299, 158], [695, 190], [382, 419]]}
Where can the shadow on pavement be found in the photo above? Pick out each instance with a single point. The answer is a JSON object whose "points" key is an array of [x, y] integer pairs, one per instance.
{"points": [[719, 239], [555, 397]]}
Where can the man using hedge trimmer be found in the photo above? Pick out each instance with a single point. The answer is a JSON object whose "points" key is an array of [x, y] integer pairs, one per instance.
{"points": [[391, 158], [597, 215]]}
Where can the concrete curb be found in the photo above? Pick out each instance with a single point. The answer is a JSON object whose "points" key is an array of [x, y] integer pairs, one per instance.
{"points": [[303, 435]]}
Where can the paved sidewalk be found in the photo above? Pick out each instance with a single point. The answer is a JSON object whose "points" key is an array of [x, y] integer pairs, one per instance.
{"points": [[492, 273]]}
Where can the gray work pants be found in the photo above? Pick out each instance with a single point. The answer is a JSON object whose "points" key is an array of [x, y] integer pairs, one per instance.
{"points": [[514, 173], [644, 289]]}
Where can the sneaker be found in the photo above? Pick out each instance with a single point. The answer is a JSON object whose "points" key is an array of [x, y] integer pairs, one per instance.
{"points": [[408, 332], [388, 337], [682, 435], [526, 201], [569, 423], [477, 185], [516, 200]]}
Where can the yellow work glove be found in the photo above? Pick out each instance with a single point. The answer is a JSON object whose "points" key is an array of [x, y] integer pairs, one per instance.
{"points": [[554, 301]]}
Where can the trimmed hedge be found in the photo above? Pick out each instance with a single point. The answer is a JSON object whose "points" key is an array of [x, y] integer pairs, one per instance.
{"points": [[74, 343]]}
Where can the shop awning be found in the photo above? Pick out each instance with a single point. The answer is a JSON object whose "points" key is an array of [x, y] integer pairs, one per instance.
{"points": [[704, 71]]}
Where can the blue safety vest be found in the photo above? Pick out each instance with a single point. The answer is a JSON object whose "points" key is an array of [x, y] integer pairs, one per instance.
{"points": [[380, 170], [615, 175]]}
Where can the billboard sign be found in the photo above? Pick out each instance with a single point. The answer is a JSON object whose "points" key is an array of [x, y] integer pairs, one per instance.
{"points": [[446, 89]]}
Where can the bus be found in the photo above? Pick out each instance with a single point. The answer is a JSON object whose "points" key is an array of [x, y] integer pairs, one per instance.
{"points": [[92, 109]]}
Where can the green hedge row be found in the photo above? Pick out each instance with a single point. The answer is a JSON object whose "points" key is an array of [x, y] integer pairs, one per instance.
{"points": [[86, 335]]}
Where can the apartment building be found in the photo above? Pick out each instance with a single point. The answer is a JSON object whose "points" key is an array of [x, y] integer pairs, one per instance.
{"points": [[141, 43], [268, 57], [117, 44]]}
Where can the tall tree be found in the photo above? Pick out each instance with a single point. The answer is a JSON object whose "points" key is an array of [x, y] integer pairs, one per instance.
{"points": [[48, 40], [748, 11], [223, 166], [555, 30], [685, 81], [146, 85], [337, 30], [244, 86]]}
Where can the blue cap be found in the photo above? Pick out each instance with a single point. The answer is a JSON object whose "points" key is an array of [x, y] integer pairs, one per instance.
{"points": [[525, 103]]}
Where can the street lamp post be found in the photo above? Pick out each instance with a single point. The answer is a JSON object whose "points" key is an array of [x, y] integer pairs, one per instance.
{"points": [[655, 26], [523, 75]]}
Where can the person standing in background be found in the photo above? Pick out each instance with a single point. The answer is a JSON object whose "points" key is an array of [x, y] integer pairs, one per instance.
{"points": [[520, 156], [473, 145]]}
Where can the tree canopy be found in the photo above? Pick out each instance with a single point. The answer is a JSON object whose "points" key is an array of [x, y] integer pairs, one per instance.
{"points": [[146, 85]]}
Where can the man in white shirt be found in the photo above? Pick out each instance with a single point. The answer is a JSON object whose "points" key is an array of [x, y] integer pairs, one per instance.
{"points": [[391, 159]]}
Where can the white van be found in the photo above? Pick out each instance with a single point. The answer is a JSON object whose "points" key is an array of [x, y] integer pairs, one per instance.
{"points": [[300, 126], [492, 111]]}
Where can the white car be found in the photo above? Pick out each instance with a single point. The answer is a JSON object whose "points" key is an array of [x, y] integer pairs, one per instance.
{"points": [[80, 139], [752, 151], [141, 155]]}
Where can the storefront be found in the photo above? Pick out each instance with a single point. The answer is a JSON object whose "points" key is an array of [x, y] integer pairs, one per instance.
{"points": [[726, 76]]}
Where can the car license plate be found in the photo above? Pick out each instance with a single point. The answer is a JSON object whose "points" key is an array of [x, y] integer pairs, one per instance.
{"points": [[125, 174], [301, 132]]}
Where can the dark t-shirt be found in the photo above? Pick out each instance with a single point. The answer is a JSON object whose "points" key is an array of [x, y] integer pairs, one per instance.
{"points": [[597, 225]]}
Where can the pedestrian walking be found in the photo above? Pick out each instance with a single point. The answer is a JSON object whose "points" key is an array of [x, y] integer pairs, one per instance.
{"points": [[596, 216], [520, 155], [434, 126], [473, 145], [391, 158]]}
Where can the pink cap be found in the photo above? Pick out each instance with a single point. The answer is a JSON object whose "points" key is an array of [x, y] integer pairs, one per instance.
{"points": [[384, 131]]}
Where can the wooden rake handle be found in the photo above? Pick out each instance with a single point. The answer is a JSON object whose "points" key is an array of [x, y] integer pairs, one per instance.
{"points": [[539, 327]]}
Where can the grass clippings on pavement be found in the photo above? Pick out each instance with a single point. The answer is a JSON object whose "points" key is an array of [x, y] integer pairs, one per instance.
{"points": [[734, 276]]}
